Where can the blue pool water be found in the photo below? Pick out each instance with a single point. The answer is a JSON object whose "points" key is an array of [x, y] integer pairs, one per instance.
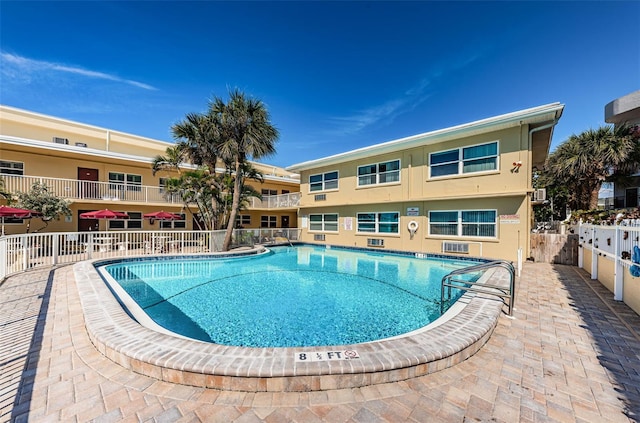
{"points": [[292, 296]]}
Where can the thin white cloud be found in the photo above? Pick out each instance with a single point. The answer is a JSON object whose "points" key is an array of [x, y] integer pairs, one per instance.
{"points": [[32, 66], [406, 102], [385, 112]]}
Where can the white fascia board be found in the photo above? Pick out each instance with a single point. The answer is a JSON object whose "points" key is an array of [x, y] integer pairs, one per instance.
{"points": [[87, 151], [548, 112]]}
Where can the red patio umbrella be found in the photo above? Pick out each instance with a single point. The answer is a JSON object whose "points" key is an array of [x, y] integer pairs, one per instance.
{"points": [[162, 215], [104, 214], [16, 213]]}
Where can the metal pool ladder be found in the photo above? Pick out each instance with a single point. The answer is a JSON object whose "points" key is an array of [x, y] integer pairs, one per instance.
{"points": [[450, 281]]}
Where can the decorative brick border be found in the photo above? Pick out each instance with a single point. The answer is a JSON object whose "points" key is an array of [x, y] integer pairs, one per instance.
{"points": [[457, 335]]}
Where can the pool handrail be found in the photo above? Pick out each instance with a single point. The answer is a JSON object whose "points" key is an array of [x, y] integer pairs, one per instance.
{"points": [[449, 281]]}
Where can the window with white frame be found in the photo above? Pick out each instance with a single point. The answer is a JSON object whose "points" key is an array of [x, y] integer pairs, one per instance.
{"points": [[327, 222], [11, 168], [119, 180], [379, 173], [175, 224], [472, 223], [268, 221], [323, 181], [133, 222], [380, 222], [269, 192], [472, 159], [243, 220]]}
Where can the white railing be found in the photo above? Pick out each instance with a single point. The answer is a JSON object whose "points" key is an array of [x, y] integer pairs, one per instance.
{"points": [[28, 251], [74, 189], [290, 200], [615, 243]]}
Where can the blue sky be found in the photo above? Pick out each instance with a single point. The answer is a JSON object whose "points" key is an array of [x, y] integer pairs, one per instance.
{"points": [[334, 76]]}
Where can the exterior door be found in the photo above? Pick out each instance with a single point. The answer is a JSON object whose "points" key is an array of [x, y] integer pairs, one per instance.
{"points": [[87, 186], [285, 222], [631, 197], [86, 225]]}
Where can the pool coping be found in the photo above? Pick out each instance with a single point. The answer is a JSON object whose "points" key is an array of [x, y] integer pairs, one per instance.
{"points": [[457, 335]]}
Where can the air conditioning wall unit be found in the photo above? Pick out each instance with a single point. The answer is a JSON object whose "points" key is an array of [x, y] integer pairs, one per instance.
{"points": [[375, 242], [455, 247], [59, 140], [320, 197], [318, 237], [81, 144], [540, 194]]}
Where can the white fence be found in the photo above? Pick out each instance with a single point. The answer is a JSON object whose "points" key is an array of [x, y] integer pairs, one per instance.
{"points": [[75, 189], [22, 252], [614, 243]]}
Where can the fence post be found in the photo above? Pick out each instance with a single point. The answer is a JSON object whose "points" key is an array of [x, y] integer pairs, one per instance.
{"points": [[55, 240], [580, 246], [618, 270], [3, 258], [594, 254]]}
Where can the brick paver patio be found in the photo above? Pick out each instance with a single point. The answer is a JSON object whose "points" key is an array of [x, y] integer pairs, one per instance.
{"points": [[566, 356]]}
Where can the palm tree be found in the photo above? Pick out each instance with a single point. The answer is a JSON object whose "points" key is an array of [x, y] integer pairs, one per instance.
{"points": [[173, 158], [583, 162], [243, 132]]}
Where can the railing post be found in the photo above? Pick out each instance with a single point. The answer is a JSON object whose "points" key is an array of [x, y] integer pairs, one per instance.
{"points": [[55, 240], [618, 269], [3, 258], [594, 254], [580, 246]]}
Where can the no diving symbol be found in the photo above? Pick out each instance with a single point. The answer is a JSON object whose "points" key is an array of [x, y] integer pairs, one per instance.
{"points": [[351, 354]]}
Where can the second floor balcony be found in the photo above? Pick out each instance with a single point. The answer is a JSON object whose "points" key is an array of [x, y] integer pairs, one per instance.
{"points": [[96, 191]]}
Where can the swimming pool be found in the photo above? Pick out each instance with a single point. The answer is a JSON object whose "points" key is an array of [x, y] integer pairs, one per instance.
{"points": [[130, 341], [289, 297]]}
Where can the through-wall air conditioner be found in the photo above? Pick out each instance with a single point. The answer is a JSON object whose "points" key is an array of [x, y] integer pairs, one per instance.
{"points": [[318, 237], [59, 140], [81, 144], [540, 194], [455, 247], [320, 197], [375, 242]]}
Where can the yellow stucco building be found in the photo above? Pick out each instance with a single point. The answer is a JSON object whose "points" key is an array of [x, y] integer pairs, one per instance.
{"points": [[464, 190], [97, 168]]}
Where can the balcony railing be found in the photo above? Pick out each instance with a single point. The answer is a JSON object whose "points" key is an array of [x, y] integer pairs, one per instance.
{"points": [[290, 200], [74, 189], [27, 251]]}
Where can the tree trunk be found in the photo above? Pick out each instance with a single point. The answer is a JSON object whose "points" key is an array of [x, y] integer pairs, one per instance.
{"points": [[235, 204]]}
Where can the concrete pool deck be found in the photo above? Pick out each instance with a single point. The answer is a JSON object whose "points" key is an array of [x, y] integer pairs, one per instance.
{"points": [[565, 356]]}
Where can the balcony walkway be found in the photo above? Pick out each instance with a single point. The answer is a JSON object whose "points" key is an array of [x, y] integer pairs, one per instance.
{"points": [[564, 357]]}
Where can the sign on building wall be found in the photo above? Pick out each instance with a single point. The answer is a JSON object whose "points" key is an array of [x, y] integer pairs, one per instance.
{"points": [[510, 218], [348, 223], [303, 221], [413, 211]]}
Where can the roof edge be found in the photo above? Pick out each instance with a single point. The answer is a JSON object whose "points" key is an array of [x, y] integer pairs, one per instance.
{"points": [[525, 116]]}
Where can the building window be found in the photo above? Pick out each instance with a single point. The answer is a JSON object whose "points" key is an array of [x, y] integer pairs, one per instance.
{"points": [[475, 223], [11, 168], [268, 221], [323, 222], [133, 222], [323, 181], [243, 220], [379, 173], [121, 180], [175, 224], [477, 158], [269, 192], [382, 223]]}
